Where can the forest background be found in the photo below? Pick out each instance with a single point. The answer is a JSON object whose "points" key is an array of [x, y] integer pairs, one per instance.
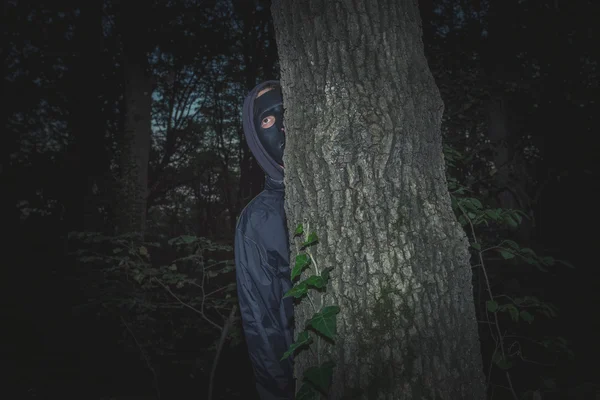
{"points": [[92, 314]]}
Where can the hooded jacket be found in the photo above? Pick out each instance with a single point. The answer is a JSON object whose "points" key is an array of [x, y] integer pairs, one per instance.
{"points": [[263, 272]]}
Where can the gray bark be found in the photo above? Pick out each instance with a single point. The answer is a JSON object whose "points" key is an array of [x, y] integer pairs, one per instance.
{"points": [[364, 167]]}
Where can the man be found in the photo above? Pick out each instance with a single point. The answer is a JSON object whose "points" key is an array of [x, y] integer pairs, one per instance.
{"points": [[262, 250]]}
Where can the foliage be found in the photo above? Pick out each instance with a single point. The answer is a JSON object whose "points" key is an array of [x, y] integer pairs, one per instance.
{"points": [[502, 314], [199, 156], [316, 379], [163, 292]]}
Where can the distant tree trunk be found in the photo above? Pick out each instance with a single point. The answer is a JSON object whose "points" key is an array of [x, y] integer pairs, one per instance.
{"points": [[87, 157], [364, 167], [135, 150], [500, 70]]}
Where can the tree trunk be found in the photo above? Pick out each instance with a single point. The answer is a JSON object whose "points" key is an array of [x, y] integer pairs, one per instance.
{"points": [[135, 150], [87, 157], [364, 167]]}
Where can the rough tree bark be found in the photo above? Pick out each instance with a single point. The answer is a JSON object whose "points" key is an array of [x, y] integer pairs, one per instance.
{"points": [[364, 167]]}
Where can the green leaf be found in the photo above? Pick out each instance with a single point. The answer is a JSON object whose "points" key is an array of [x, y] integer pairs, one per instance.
{"points": [[297, 291], [312, 239], [304, 339], [471, 204], [506, 254], [185, 239], [231, 287], [476, 246], [302, 261], [143, 251], [517, 217], [299, 230], [320, 376], [454, 202], [519, 300], [527, 317], [493, 214], [548, 260], [528, 251], [501, 362], [491, 305], [512, 244], [315, 282], [307, 392], [512, 310], [475, 203], [324, 321], [510, 221]]}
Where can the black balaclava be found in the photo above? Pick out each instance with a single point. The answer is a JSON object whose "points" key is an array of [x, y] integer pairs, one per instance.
{"points": [[272, 138]]}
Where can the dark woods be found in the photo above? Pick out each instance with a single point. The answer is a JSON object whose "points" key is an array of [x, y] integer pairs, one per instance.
{"points": [[123, 168]]}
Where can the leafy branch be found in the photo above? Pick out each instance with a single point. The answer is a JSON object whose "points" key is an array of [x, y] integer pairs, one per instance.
{"points": [[474, 216]]}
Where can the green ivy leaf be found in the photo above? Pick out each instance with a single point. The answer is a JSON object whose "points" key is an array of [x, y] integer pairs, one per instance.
{"points": [[324, 321], [493, 214], [507, 255], [299, 230], [303, 340], [491, 305], [307, 392], [320, 376], [297, 291], [312, 239], [527, 317], [302, 261], [315, 281], [143, 251], [476, 246], [512, 310]]}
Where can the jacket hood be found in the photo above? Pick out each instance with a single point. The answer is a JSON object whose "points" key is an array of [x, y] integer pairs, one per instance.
{"points": [[266, 162]]}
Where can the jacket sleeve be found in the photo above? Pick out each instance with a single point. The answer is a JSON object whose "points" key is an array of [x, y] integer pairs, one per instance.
{"points": [[265, 320]]}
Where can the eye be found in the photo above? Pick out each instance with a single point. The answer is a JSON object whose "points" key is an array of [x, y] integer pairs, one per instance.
{"points": [[267, 122]]}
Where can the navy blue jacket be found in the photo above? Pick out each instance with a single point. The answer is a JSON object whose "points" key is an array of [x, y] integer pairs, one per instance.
{"points": [[262, 260]]}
